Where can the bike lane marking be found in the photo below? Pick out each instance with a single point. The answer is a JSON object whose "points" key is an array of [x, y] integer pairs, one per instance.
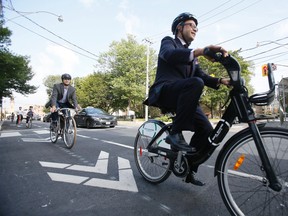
{"points": [[126, 180]]}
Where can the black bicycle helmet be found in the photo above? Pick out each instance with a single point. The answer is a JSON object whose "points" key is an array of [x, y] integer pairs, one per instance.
{"points": [[66, 76], [181, 18]]}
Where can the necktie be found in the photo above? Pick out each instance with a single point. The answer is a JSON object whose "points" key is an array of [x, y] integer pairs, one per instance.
{"points": [[188, 69]]}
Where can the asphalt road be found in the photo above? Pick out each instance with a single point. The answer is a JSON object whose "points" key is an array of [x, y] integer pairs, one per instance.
{"points": [[97, 176]]}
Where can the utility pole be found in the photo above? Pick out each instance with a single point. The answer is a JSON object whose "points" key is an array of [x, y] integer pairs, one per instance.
{"points": [[147, 75], [1, 9]]}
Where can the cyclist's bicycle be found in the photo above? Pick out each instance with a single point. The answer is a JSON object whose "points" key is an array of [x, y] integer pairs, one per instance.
{"points": [[65, 127], [252, 166], [29, 124]]}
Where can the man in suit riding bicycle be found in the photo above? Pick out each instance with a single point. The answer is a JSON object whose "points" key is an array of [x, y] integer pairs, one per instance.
{"points": [[63, 96], [179, 84]]}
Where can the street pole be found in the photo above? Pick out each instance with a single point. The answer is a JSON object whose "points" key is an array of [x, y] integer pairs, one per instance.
{"points": [[147, 76], [1, 9]]}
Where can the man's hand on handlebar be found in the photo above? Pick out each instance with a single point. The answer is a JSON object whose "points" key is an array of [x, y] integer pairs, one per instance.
{"points": [[225, 81], [216, 49]]}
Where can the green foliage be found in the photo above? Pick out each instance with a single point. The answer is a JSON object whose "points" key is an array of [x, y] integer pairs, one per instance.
{"points": [[164, 118], [49, 82], [125, 65], [93, 90], [15, 72]]}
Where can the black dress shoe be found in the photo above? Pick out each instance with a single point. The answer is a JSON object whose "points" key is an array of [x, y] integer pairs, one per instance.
{"points": [[191, 178], [178, 143]]}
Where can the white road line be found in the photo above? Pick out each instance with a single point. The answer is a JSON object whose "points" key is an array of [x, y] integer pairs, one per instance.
{"points": [[100, 167], [10, 134], [83, 136], [67, 178], [126, 179], [118, 144], [35, 140], [54, 165], [42, 131]]}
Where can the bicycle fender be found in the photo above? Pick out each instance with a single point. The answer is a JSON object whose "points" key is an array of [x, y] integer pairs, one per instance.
{"points": [[229, 142]]}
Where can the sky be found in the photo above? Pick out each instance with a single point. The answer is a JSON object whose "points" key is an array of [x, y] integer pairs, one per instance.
{"points": [[90, 26]]}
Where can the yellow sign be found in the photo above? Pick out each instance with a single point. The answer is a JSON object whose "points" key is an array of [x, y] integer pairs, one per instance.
{"points": [[264, 70]]}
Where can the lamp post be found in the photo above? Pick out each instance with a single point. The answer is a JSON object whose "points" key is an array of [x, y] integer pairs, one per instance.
{"points": [[147, 76], [22, 13]]}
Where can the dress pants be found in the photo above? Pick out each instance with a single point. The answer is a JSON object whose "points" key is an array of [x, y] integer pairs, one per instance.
{"points": [[182, 96]]}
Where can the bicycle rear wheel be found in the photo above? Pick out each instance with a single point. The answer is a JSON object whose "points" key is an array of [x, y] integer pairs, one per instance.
{"points": [[242, 180], [69, 132], [30, 124], [153, 167]]}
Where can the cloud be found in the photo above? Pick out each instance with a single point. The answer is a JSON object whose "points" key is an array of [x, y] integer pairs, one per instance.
{"points": [[129, 20], [87, 3], [282, 30], [68, 59]]}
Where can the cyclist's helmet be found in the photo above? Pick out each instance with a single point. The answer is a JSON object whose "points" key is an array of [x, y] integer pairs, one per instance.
{"points": [[180, 19], [66, 76]]}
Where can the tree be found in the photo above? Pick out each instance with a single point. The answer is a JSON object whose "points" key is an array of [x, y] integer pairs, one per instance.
{"points": [[49, 82], [93, 90], [15, 71], [125, 63]]}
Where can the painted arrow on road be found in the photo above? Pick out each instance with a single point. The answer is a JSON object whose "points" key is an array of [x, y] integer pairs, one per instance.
{"points": [[126, 180]]}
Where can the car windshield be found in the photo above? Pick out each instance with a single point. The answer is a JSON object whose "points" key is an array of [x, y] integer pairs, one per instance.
{"points": [[95, 111]]}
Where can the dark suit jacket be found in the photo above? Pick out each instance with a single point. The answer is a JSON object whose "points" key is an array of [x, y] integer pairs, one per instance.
{"points": [[173, 61], [57, 95]]}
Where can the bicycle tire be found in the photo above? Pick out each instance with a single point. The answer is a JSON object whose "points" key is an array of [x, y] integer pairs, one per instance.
{"points": [[242, 182], [153, 167], [53, 133], [69, 132], [30, 124]]}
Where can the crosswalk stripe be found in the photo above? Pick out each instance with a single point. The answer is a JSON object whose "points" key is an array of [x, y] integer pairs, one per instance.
{"points": [[10, 134], [42, 131]]}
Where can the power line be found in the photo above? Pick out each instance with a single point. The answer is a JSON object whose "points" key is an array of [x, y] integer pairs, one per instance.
{"points": [[60, 37], [266, 51], [53, 41], [277, 54], [53, 33], [214, 9], [253, 31], [268, 42], [222, 11], [231, 14]]}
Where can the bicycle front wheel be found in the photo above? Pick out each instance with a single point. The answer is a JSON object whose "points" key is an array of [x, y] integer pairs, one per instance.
{"points": [[153, 167], [242, 180], [53, 133], [70, 132]]}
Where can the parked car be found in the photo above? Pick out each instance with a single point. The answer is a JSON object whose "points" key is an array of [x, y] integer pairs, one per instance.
{"points": [[95, 117], [47, 117]]}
